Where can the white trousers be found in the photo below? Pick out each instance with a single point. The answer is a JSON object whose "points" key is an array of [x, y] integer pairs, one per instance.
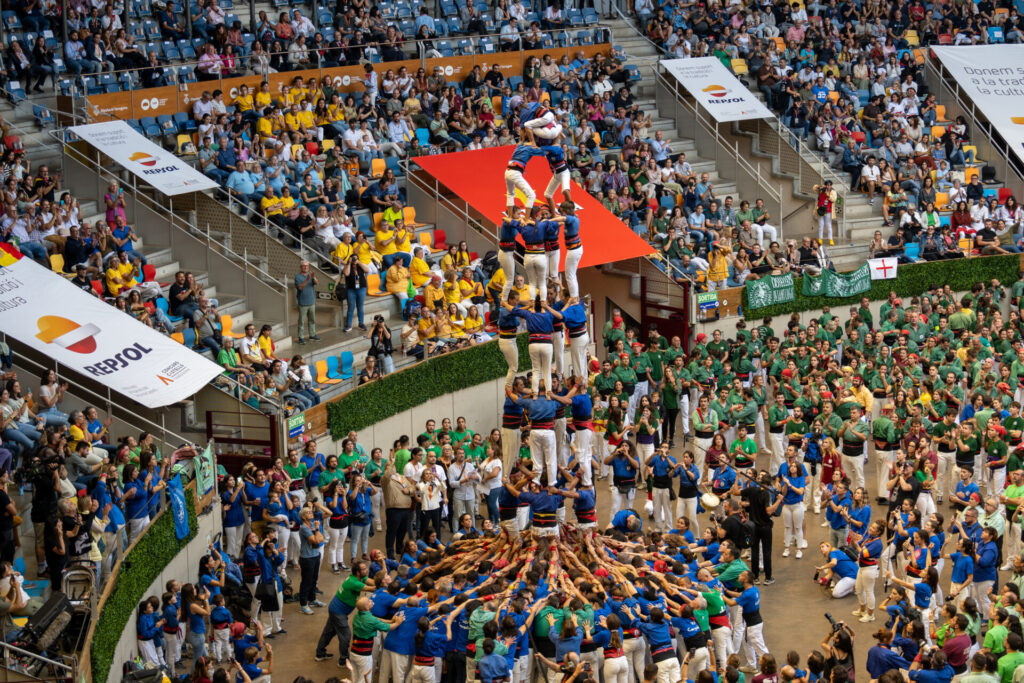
{"points": [[572, 264], [394, 666], [662, 508], [825, 222], [421, 674], [536, 274], [336, 550], [753, 644], [509, 449], [777, 445], [793, 518], [844, 587], [362, 668], [853, 465], [865, 586], [636, 651], [150, 653], [621, 501], [510, 350], [514, 180], [545, 126], [507, 261], [578, 354], [558, 352], [700, 453], [233, 541], [980, 593], [722, 639], [687, 507], [222, 649], [765, 230], [668, 670], [543, 453], [561, 443], [616, 670], [947, 464], [540, 360], [883, 461], [583, 440], [700, 659]]}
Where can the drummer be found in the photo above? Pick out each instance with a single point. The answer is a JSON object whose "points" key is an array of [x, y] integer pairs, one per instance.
{"points": [[723, 477]]}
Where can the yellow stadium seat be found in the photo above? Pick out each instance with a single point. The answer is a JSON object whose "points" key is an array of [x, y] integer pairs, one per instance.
{"points": [[178, 337], [912, 38], [226, 323], [941, 200], [373, 285], [833, 95], [780, 43], [327, 145], [377, 219], [57, 263], [975, 148], [739, 67], [940, 112], [938, 132], [971, 172], [321, 374], [377, 168], [409, 217]]}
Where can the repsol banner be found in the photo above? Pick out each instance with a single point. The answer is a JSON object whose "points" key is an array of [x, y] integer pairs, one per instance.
{"points": [[153, 164], [716, 89], [48, 313]]}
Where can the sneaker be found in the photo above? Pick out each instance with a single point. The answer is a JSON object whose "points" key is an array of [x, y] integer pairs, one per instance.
{"points": [[770, 581], [799, 554], [348, 329], [865, 618], [280, 632], [321, 658], [306, 609], [757, 581], [831, 242], [824, 524], [858, 613], [314, 337], [317, 603], [1006, 567], [785, 553], [803, 544], [301, 340]]}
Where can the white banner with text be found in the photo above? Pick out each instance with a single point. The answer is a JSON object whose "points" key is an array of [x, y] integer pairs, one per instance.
{"points": [[717, 89], [997, 90], [87, 335], [148, 161]]}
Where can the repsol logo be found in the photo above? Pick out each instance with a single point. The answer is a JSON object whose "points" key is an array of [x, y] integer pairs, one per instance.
{"points": [[154, 171], [120, 361], [726, 101]]}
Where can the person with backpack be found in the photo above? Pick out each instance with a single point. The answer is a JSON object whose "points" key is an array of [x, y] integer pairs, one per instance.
{"points": [[840, 565]]}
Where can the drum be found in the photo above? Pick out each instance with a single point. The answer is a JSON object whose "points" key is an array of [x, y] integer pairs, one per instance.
{"points": [[710, 501]]}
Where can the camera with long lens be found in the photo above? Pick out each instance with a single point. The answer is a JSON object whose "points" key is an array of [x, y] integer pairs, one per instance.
{"points": [[831, 620]]}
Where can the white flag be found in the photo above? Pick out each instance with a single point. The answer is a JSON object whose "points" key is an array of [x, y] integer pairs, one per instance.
{"points": [[883, 268]]}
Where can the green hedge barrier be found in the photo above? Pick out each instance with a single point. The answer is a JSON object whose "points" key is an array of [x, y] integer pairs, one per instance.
{"points": [[140, 567], [401, 391], [913, 280]]}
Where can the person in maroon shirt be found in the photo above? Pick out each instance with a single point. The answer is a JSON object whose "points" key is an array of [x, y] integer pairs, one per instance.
{"points": [[958, 647]]}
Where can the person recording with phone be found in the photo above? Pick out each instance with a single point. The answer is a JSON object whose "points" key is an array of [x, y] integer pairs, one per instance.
{"points": [[380, 345]]}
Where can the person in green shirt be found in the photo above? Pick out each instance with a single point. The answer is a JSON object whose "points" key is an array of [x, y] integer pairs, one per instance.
{"points": [[1013, 658], [331, 472], [743, 449], [401, 454], [461, 435], [228, 359], [365, 627], [605, 381], [854, 433]]}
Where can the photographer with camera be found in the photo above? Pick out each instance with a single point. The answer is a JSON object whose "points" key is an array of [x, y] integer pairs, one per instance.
{"points": [[380, 345], [837, 647], [760, 511]]}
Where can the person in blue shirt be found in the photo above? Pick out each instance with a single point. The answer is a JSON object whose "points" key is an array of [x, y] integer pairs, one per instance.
{"points": [[986, 565], [148, 629], [627, 521], [251, 666], [559, 176], [793, 484], [540, 324], [234, 516], [662, 467], [881, 658], [966, 491], [493, 667], [749, 600], [625, 467], [573, 246], [544, 503], [535, 237], [514, 179], [962, 575], [568, 638], [508, 232], [315, 464], [541, 414], [211, 572], [840, 567], [723, 477], [123, 235], [170, 627], [242, 188], [136, 502], [657, 631], [220, 621], [837, 507], [256, 497]]}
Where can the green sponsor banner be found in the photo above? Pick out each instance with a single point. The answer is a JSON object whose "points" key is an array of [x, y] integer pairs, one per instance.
{"points": [[770, 290], [838, 285]]}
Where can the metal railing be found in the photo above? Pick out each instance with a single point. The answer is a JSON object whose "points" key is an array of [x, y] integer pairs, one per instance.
{"points": [[22, 665], [726, 153]]}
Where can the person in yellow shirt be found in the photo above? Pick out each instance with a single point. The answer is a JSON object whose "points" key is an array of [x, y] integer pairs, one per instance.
{"points": [[433, 294], [291, 120], [494, 286], [244, 103], [271, 207], [445, 327], [306, 119], [453, 259], [120, 276], [384, 242], [419, 269], [265, 125], [263, 98], [452, 295], [473, 326], [397, 282], [455, 320], [364, 252], [469, 288], [266, 343], [718, 269], [403, 241], [344, 250], [519, 285]]}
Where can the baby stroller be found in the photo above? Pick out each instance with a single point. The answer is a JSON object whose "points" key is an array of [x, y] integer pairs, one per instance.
{"points": [[237, 597], [79, 585]]}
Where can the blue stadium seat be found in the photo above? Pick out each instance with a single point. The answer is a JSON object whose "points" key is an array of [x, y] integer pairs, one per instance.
{"points": [[166, 123], [150, 126], [184, 122], [347, 361], [11, 20], [393, 163], [995, 34], [466, 46], [42, 115], [423, 135], [585, 37], [445, 48]]}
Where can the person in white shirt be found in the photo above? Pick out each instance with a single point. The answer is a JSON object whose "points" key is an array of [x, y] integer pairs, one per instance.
{"points": [[432, 496], [302, 25], [414, 468], [490, 478], [869, 177], [463, 477], [202, 106]]}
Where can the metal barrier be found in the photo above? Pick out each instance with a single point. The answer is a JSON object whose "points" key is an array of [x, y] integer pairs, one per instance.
{"points": [[22, 665]]}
